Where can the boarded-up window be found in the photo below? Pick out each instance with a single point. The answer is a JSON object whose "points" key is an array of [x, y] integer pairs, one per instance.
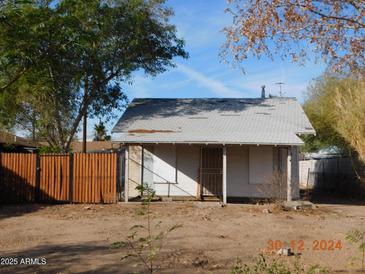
{"points": [[164, 164], [261, 165]]}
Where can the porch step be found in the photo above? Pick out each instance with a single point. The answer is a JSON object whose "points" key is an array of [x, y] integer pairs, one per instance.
{"points": [[211, 198]]}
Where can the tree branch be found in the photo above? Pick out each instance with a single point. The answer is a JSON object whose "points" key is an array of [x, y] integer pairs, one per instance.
{"points": [[340, 18], [18, 75]]}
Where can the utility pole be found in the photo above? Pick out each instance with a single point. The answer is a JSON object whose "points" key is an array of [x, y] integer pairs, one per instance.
{"points": [[84, 129], [280, 88]]}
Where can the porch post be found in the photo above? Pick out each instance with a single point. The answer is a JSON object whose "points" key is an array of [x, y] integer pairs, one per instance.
{"points": [[142, 168], [224, 173], [289, 179], [126, 174]]}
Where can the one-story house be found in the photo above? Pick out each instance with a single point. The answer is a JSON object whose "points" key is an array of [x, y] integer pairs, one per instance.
{"points": [[213, 147]]}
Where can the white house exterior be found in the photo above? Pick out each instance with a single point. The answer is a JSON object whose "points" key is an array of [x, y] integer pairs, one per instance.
{"points": [[227, 148]]}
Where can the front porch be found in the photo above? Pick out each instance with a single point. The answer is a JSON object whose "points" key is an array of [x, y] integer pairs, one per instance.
{"points": [[207, 171]]}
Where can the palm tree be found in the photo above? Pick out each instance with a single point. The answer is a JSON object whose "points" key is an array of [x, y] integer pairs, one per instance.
{"points": [[100, 132]]}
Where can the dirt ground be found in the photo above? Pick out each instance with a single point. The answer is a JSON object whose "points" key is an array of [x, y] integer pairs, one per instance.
{"points": [[77, 238]]}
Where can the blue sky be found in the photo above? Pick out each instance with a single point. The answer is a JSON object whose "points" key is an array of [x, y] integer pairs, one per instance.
{"points": [[204, 74]]}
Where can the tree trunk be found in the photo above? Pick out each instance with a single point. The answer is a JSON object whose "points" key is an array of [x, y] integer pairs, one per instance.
{"points": [[84, 133], [83, 108], [76, 123]]}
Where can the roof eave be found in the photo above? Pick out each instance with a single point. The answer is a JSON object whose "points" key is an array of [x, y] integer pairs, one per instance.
{"points": [[209, 143]]}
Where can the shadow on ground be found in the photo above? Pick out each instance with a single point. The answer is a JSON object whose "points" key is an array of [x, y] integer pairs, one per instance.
{"points": [[323, 197], [95, 257], [19, 209], [92, 257], [69, 258]]}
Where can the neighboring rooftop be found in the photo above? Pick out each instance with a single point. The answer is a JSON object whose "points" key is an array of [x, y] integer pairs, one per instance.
{"points": [[16, 141], [94, 146], [276, 120]]}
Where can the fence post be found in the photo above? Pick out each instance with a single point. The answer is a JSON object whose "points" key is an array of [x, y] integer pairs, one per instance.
{"points": [[2, 181], [1, 167], [71, 178], [38, 178]]}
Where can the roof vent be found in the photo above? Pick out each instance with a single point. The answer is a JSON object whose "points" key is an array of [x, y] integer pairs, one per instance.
{"points": [[263, 91], [198, 117]]}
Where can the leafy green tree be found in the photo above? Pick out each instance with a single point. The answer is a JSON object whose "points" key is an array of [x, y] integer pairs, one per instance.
{"points": [[320, 109], [336, 108], [349, 103], [66, 59]]}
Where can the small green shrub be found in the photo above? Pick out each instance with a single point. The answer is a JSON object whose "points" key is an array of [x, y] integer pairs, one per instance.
{"points": [[143, 243], [271, 265], [357, 237]]}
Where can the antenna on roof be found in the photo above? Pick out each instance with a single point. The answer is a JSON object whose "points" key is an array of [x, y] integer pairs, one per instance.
{"points": [[280, 88]]}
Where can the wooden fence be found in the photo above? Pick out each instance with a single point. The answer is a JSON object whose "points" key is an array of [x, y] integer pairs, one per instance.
{"points": [[79, 177]]}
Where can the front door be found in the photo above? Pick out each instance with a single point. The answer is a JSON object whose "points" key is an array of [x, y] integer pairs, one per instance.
{"points": [[211, 171]]}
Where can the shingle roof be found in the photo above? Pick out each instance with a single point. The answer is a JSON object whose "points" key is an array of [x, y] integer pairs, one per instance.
{"points": [[213, 120]]}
